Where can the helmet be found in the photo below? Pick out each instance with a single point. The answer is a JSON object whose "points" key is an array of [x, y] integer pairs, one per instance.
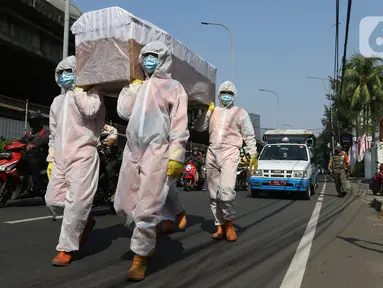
{"points": [[36, 120], [338, 148]]}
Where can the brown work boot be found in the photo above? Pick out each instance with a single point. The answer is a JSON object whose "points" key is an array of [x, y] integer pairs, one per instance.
{"points": [[62, 259], [88, 227], [167, 226], [219, 234], [138, 268], [231, 235], [182, 221]]}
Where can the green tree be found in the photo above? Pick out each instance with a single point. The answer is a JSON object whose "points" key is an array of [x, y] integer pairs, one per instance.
{"points": [[362, 93]]}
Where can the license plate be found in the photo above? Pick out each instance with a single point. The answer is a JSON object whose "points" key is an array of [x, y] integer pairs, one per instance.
{"points": [[277, 183]]}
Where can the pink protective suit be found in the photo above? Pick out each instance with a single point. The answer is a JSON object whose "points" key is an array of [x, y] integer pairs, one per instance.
{"points": [[157, 132], [76, 119], [228, 128], [173, 205]]}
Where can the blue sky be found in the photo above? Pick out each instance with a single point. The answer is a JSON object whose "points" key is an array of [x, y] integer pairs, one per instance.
{"points": [[276, 45]]}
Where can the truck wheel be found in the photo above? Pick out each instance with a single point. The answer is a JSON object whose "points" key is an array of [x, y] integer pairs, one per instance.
{"points": [[254, 193], [308, 194], [313, 189]]}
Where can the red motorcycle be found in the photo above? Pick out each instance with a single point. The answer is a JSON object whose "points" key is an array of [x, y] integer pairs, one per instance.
{"points": [[12, 183], [188, 177]]}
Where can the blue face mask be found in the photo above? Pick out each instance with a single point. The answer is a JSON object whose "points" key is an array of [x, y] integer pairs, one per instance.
{"points": [[226, 99], [150, 64], [67, 80]]}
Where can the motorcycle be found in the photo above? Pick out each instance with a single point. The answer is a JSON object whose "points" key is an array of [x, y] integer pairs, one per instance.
{"points": [[12, 179], [180, 181], [103, 196], [241, 182], [204, 172], [188, 178], [376, 184]]}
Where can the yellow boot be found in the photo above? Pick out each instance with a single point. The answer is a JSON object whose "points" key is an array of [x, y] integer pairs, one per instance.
{"points": [[182, 221], [219, 234], [138, 268], [231, 235], [167, 226]]}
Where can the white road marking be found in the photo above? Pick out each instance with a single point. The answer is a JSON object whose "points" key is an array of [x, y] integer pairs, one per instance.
{"points": [[296, 271], [98, 209], [32, 219]]}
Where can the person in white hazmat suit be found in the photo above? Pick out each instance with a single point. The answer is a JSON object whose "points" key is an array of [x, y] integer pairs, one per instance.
{"points": [[228, 126], [76, 119], [156, 139], [173, 208]]}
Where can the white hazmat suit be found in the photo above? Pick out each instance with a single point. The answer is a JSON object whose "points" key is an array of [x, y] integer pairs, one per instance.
{"points": [[156, 133], [76, 119], [173, 205], [228, 127]]}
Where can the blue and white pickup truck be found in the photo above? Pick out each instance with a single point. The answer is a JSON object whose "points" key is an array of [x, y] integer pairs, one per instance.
{"points": [[285, 167]]}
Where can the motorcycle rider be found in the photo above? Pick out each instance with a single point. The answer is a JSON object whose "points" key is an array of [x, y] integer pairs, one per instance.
{"points": [[75, 121], [228, 126], [244, 160], [196, 159], [243, 157], [338, 164], [37, 150], [156, 139], [111, 165]]}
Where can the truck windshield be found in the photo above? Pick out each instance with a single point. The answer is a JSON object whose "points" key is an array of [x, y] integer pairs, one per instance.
{"points": [[284, 152]]}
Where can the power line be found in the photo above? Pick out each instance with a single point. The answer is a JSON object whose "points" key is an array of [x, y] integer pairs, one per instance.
{"points": [[336, 67], [345, 44], [336, 61]]}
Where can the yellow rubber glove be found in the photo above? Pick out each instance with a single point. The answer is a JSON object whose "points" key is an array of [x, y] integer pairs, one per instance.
{"points": [[175, 169], [85, 88], [211, 107], [253, 165], [49, 170], [136, 81]]}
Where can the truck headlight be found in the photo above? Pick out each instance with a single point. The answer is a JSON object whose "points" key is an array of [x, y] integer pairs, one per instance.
{"points": [[300, 174], [258, 173]]}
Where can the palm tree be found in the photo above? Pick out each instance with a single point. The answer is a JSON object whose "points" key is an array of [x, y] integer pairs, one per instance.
{"points": [[362, 90]]}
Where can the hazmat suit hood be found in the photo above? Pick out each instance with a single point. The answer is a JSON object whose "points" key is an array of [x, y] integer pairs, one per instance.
{"points": [[164, 58], [67, 63], [230, 87]]}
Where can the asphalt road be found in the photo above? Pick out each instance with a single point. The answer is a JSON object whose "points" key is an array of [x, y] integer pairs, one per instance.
{"points": [[265, 254]]}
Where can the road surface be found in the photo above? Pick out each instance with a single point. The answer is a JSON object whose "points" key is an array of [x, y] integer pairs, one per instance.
{"points": [[276, 247]]}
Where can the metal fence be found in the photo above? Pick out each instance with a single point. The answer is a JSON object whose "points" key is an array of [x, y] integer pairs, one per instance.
{"points": [[13, 116]]}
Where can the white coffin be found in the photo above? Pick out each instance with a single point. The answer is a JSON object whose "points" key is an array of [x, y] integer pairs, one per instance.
{"points": [[102, 53]]}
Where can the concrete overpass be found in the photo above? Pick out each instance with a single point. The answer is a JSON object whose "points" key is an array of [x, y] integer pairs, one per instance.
{"points": [[31, 40], [31, 33]]}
